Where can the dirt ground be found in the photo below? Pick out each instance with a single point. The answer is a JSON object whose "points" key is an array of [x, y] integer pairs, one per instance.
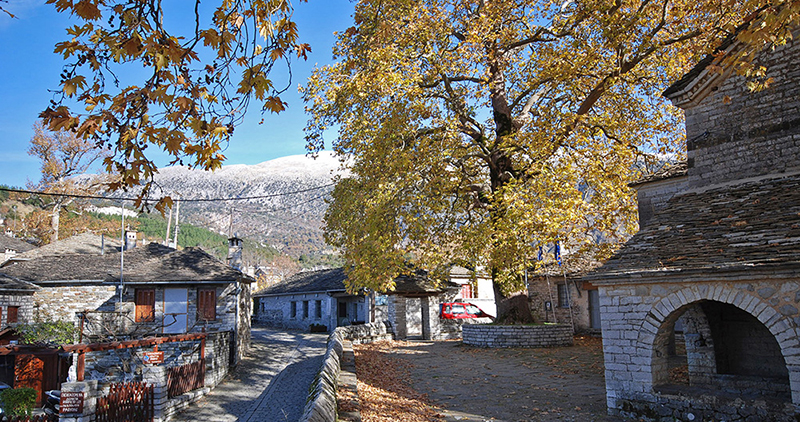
{"points": [[464, 383]]}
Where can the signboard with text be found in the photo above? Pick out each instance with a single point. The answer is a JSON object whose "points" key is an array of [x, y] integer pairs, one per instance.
{"points": [[153, 358], [71, 402]]}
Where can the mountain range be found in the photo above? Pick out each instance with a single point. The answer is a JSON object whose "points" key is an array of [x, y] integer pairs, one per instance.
{"points": [[279, 202]]}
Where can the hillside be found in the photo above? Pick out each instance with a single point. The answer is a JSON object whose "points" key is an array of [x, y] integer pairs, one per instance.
{"points": [[288, 214]]}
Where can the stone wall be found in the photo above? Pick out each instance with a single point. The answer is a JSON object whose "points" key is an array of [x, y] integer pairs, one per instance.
{"points": [[321, 401], [415, 316], [504, 336], [540, 292], [639, 318], [64, 302], [218, 360], [367, 333], [123, 365], [735, 134], [275, 311], [218, 357], [225, 315], [24, 302], [653, 197]]}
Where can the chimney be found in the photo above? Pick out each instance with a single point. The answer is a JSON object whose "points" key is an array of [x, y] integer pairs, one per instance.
{"points": [[235, 252], [131, 237]]}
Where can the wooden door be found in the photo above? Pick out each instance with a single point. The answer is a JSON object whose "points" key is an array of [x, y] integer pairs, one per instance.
{"points": [[29, 372]]}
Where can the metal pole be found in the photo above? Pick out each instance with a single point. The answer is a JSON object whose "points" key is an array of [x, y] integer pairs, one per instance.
{"points": [[177, 219], [169, 222], [550, 293], [569, 300], [122, 252]]}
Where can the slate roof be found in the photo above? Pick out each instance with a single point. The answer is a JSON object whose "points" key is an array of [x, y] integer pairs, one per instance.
{"points": [[331, 280], [85, 243], [152, 263], [14, 244], [667, 172], [420, 284], [745, 227], [9, 283], [189, 264]]}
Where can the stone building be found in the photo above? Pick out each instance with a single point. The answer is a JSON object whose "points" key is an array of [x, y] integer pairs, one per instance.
{"points": [[565, 299], [149, 290], [311, 298], [16, 300], [718, 262], [414, 308], [10, 247]]}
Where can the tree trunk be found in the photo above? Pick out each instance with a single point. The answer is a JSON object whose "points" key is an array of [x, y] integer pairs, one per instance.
{"points": [[55, 221], [514, 308]]}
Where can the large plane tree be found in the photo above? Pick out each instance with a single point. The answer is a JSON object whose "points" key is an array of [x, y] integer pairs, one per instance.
{"points": [[476, 131]]}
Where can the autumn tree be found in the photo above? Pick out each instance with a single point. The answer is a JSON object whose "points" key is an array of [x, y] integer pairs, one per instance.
{"points": [[63, 156], [171, 75], [477, 131]]}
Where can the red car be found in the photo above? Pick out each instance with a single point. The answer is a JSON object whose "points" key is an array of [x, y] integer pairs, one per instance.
{"points": [[461, 310]]}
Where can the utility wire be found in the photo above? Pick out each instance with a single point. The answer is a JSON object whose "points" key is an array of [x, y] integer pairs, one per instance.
{"points": [[238, 198]]}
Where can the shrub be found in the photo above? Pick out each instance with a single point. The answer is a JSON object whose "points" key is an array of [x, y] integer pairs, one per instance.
{"points": [[18, 401], [47, 333]]}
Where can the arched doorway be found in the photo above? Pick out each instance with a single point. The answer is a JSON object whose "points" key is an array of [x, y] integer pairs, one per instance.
{"points": [[728, 352]]}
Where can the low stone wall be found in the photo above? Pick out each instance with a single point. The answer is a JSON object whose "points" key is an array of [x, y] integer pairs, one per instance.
{"points": [[367, 333], [502, 336], [695, 405], [321, 401]]}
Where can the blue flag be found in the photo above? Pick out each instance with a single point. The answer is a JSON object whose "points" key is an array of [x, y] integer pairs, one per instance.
{"points": [[558, 253]]}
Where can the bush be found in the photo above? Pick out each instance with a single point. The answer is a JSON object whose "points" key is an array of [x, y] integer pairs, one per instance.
{"points": [[18, 401], [47, 333]]}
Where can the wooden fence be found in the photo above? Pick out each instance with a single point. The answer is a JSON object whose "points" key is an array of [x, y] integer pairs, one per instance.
{"points": [[181, 379], [126, 402]]}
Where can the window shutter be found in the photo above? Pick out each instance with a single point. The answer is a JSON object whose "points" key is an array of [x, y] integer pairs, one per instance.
{"points": [[206, 304], [145, 305], [13, 312]]}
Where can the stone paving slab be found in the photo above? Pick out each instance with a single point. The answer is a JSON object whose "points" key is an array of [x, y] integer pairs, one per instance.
{"points": [[270, 384]]}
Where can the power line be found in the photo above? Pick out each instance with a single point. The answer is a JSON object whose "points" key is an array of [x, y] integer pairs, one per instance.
{"points": [[238, 198]]}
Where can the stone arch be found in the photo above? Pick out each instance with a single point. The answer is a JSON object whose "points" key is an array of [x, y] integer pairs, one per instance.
{"points": [[665, 312]]}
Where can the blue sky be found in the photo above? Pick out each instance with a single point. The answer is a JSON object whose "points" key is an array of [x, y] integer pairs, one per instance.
{"points": [[28, 68]]}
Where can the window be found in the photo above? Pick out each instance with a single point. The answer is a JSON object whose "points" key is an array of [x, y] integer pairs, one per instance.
{"points": [[305, 309], [466, 291], [13, 314], [318, 308], [563, 296], [293, 310], [206, 304], [145, 305]]}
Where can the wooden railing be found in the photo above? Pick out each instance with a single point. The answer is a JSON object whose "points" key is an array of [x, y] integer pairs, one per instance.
{"points": [[126, 402], [181, 379]]}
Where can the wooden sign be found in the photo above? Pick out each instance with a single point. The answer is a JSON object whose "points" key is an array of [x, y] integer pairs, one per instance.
{"points": [[71, 402], [153, 358]]}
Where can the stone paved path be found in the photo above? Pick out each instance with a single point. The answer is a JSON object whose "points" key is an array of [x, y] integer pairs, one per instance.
{"points": [[269, 385]]}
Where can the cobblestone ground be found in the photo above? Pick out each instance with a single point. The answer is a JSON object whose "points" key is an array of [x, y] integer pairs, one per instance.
{"points": [[269, 385]]}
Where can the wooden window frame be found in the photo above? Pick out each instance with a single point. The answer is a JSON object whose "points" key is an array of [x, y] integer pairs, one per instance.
{"points": [[206, 308], [141, 307], [12, 315], [563, 295]]}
